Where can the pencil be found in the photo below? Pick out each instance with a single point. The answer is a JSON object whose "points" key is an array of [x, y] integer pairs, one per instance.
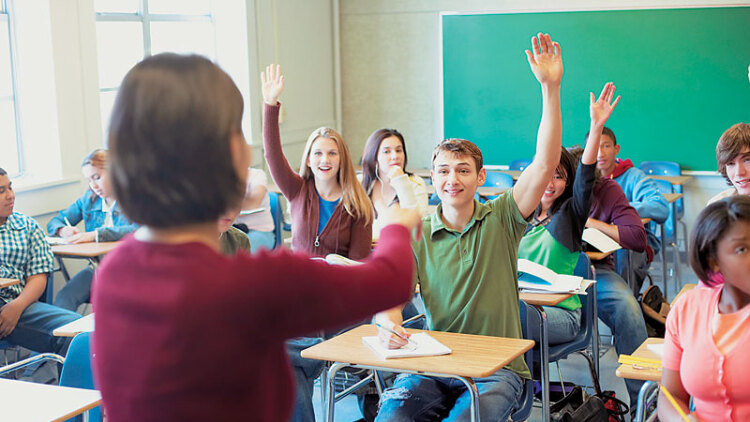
{"points": [[671, 399]]}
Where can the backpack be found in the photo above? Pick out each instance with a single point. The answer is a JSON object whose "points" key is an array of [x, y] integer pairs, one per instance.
{"points": [[655, 309]]}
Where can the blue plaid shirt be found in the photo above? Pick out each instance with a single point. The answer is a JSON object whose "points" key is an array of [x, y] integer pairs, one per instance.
{"points": [[25, 252]]}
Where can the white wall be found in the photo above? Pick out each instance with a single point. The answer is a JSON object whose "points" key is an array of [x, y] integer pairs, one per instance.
{"points": [[391, 74], [299, 35]]}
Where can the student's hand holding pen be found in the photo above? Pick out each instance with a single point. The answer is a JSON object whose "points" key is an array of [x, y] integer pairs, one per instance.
{"points": [[67, 231], [391, 334]]}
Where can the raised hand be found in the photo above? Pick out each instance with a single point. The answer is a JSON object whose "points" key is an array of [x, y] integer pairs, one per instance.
{"points": [[272, 83], [601, 109], [546, 60]]}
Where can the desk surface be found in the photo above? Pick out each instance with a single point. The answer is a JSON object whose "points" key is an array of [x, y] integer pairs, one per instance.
{"points": [[671, 197], [31, 402], [5, 282], [71, 329], [544, 299], [472, 356], [675, 180], [628, 371], [84, 250]]}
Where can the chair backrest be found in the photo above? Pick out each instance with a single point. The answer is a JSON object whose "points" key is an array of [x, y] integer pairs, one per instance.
{"points": [[666, 187], [278, 216], [498, 179], [519, 164], [661, 168], [76, 371], [527, 397]]}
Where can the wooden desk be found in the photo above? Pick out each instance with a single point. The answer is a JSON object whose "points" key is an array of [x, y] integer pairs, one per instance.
{"points": [[672, 197], [490, 191], [31, 402], [7, 282], [472, 357], [645, 221], [93, 251], [652, 376], [686, 288], [71, 329], [675, 180], [514, 173]]}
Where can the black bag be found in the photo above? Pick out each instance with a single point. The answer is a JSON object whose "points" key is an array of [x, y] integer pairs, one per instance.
{"points": [[655, 310], [577, 407]]}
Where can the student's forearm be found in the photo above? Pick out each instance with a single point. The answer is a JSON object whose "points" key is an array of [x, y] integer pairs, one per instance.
{"points": [[610, 230], [390, 317], [592, 144], [549, 134], [31, 292]]}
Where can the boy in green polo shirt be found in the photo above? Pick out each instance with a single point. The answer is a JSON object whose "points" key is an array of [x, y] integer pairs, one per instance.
{"points": [[466, 262]]}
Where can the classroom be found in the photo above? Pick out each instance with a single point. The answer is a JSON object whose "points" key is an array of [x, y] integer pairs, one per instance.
{"points": [[355, 66]]}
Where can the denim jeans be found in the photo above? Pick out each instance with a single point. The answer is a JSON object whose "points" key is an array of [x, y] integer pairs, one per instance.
{"points": [[258, 240], [76, 291], [35, 326], [563, 325], [421, 398], [618, 309]]}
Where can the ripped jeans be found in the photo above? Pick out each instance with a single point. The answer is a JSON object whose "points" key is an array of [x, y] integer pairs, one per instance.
{"points": [[421, 398]]}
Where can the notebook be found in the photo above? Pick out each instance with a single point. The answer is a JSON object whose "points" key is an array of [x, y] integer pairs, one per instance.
{"points": [[425, 345], [600, 240]]}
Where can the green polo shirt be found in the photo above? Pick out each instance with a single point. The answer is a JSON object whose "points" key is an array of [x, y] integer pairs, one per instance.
{"points": [[468, 279]]}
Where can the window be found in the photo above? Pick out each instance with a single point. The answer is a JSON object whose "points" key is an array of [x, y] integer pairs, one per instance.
{"points": [[10, 139], [129, 30]]}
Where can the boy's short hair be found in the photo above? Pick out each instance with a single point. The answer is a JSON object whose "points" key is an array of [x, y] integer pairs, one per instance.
{"points": [[458, 147], [731, 143], [710, 226], [169, 141], [577, 152], [3, 172], [605, 131]]}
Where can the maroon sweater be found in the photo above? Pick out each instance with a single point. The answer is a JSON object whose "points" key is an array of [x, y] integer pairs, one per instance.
{"points": [[186, 334], [343, 234], [611, 206]]}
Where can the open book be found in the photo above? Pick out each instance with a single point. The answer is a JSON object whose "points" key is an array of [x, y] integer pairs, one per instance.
{"points": [[421, 344], [533, 277], [600, 240], [336, 259]]}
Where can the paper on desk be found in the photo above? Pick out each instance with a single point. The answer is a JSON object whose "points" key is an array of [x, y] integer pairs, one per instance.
{"points": [[600, 240], [657, 348], [426, 346], [56, 240], [533, 277]]}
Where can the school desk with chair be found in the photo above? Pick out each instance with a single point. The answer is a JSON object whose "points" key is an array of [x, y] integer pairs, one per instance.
{"points": [[471, 356], [91, 251], [644, 364]]}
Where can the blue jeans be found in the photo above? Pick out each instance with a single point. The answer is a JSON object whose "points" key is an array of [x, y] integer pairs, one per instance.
{"points": [[35, 326], [421, 398], [618, 309], [562, 325], [76, 291], [258, 240]]}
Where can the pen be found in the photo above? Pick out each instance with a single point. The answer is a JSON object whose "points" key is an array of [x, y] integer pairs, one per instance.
{"points": [[65, 219], [671, 399], [409, 341]]}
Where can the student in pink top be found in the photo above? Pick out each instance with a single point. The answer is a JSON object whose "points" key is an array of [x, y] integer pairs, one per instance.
{"points": [[707, 337]]}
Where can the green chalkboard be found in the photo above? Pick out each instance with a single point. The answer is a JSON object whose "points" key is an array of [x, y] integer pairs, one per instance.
{"points": [[682, 74]]}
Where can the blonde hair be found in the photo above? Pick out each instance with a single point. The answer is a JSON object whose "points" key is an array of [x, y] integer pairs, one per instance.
{"points": [[96, 158], [355, 200]]}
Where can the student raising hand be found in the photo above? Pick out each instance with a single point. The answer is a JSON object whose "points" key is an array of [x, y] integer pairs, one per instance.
{"points": [[272, 83], [600, 109], [546, 60]]}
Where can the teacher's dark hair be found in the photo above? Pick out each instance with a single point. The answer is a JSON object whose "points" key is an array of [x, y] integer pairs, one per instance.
{"points": [[710, 226], [169, 146]]}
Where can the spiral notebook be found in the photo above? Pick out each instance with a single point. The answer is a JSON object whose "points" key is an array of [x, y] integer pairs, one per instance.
{"points": [[423, 345]]}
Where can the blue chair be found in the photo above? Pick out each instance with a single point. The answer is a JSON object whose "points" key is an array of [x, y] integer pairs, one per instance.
{"points": [[666, 168], [519, 165], [277, 213], [587, 336], [498, 180], [527, 398], [76, 370]]}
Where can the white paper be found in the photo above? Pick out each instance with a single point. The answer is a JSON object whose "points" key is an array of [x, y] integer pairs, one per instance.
{"points": [[426, 345], [336, 259], [534, 277], [656, 348], [56, 240], [600, 240]]}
